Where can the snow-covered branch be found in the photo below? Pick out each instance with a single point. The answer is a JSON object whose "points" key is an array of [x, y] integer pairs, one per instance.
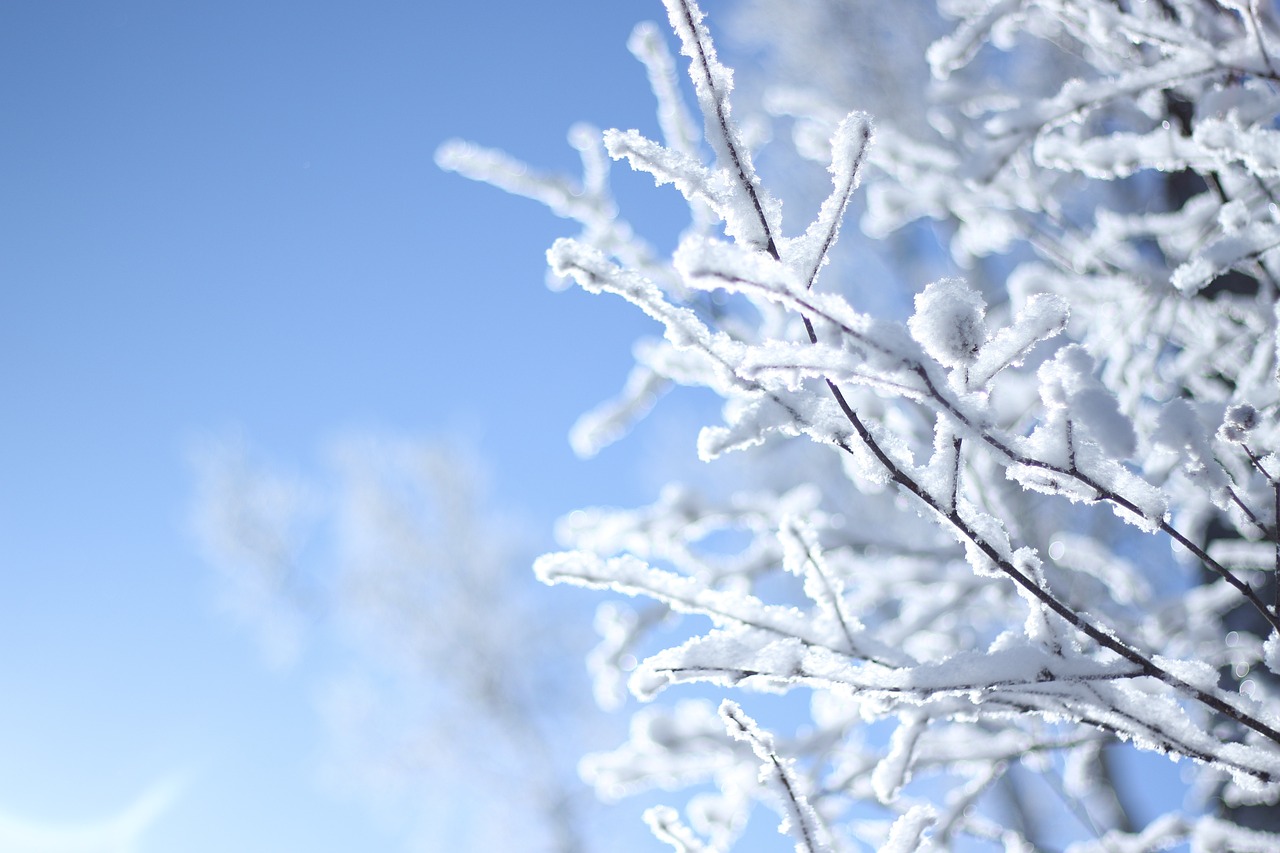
{"points": [[924, 541]]}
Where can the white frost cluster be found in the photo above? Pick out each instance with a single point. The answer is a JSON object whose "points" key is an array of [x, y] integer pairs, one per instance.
{"points": [[950, 322], [1067, 384]]}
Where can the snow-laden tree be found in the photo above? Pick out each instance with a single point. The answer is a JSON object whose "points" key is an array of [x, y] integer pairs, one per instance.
{"points": [[990, 542], [442, 687]]}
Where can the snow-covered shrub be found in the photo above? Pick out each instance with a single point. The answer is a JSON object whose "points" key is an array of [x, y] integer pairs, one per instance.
{"points": [[1036, 519]]}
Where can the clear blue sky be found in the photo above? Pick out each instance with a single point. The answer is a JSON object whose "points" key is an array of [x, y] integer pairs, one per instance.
{"points": [[225, 215]]}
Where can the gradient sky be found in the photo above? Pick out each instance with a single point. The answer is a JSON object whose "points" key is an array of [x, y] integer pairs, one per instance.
{"points": [[224, 216]]}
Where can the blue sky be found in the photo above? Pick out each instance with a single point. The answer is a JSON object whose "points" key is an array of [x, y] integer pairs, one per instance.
{"points": [[224, 216]]}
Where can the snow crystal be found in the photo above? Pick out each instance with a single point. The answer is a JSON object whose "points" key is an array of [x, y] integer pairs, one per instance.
{"points": [[1049, 482], [1151, 503], [953, 52], [1180, 429], [1067, 383], [798, 815], [1258, 149], [719, 189], [849, 146], [647, 45], [1214, 834], [664, 823], [1234, 216], [612, 420], [752, 212], [1230, 251], [1098, 410], [894, 770], [749, 421], [1119, 155], [907, 833], [1238, 421], [949, 321], [563, 197], [1197, 673], [1042, 317]]}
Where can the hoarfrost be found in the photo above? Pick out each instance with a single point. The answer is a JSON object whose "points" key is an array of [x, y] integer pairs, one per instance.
{"points": [[1111, 150], [949, 322]]}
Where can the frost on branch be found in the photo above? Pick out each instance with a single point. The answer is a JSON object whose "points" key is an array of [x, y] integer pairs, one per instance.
{"points": [[748, 205], [950, 322], [848, 151], [665, 824], [1068, 386], [907, 833], [610, 420], [1038, 519], [1044, 316], [798, 817]]}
